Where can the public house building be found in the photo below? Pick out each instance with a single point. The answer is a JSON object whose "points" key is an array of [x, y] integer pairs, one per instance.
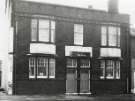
{"points": [[60, 49]]}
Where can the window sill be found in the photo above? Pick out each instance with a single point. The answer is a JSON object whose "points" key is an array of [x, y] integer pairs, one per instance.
{"points": [[110, 46], [42, 42], [103, 79], [42, 78]]}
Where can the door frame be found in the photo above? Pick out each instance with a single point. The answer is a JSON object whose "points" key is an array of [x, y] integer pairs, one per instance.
{"points": [[78, 69]]}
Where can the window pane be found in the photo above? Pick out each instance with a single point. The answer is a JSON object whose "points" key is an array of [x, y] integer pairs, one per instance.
{"points": [[42, 67], [112, 36], [44, 35], [118, 37], [52, 31], [78, 38], [52, 24], [102, 67], [109, 69], [71, 63], [34, 30], [85, 63], [117, 70], [104, 35], [32, 64], [52, 68], [52, 35], [43, 24], [78, 28], [44, 30], [78, 34]]}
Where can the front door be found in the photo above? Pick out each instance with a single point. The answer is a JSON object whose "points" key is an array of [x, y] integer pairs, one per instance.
{"points": [[78, 76], [71, 83]]}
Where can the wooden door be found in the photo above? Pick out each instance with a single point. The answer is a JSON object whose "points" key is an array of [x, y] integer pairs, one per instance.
{"points": [[71, 82]]}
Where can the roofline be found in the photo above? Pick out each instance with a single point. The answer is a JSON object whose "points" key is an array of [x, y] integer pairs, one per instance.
{"points": [[67, 6]]}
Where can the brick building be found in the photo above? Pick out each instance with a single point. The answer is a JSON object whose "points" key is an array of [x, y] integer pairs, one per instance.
{"points": [[60, 49]]}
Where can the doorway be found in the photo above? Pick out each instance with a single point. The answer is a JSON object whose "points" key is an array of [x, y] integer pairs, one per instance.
{"points": [[78, 76]]}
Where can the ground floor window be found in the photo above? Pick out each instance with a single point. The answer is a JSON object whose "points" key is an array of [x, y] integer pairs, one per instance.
{"points": [[41, 67], [110, 69]]}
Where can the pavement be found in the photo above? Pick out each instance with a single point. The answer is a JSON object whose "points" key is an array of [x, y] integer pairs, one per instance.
{"points": [[123, 97]]}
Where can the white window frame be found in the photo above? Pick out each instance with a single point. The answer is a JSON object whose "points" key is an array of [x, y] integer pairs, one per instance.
{"points": [[43, 30], [49, 27], [103, 35], [107, 34], [32, 63], [115, 68], [45, 62], [54, 63], [72, 63], [103, 69], [111, 66], [34, 29], [78, 34], [112, 36], [42, 63], [118, 68]]}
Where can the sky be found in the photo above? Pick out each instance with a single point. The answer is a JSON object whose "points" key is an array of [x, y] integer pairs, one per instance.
{"points": [[125, 6]]}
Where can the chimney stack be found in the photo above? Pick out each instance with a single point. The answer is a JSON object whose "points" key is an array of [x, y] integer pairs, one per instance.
{"points": [[113, 6]]}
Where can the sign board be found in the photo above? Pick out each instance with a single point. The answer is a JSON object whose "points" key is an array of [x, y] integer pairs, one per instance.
{"points": [[80, 54], [78, 51]]}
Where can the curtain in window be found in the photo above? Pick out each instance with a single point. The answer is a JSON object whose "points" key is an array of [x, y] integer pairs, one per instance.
{"points": [[102, 66], [117, 70], [103, 35], [42, 67], [34, 30], [52, 68], [118, 29], [110, 69], [32, 64]]}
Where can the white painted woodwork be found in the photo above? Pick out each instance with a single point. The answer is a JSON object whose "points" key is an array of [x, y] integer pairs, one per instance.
{"points": [[70, 49], [42, 48], [110, 52]]}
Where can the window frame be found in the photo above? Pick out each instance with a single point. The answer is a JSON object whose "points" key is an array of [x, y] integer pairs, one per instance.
{"points": [[30, 66], [114, 77], [50, 36], [80, 33], [107, 37], [72, 60], [48, 75]]}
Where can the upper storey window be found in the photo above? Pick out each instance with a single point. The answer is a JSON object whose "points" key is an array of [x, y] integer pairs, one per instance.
{"points": [[43, 30], [110, 36], [78, 34]]}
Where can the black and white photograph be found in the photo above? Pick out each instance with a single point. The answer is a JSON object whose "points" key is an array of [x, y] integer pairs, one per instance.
{"points": [[67, 50]]}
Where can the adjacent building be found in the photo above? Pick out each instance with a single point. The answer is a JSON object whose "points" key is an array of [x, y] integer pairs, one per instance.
{"points": [[68, 50], [0, 71], [132, 45]]}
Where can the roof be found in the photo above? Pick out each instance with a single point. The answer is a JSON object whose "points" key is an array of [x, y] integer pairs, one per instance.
{"points": [[68, 12]]}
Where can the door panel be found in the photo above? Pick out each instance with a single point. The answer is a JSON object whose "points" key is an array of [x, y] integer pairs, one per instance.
{"points": [[71, 82], [84, 81]]}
